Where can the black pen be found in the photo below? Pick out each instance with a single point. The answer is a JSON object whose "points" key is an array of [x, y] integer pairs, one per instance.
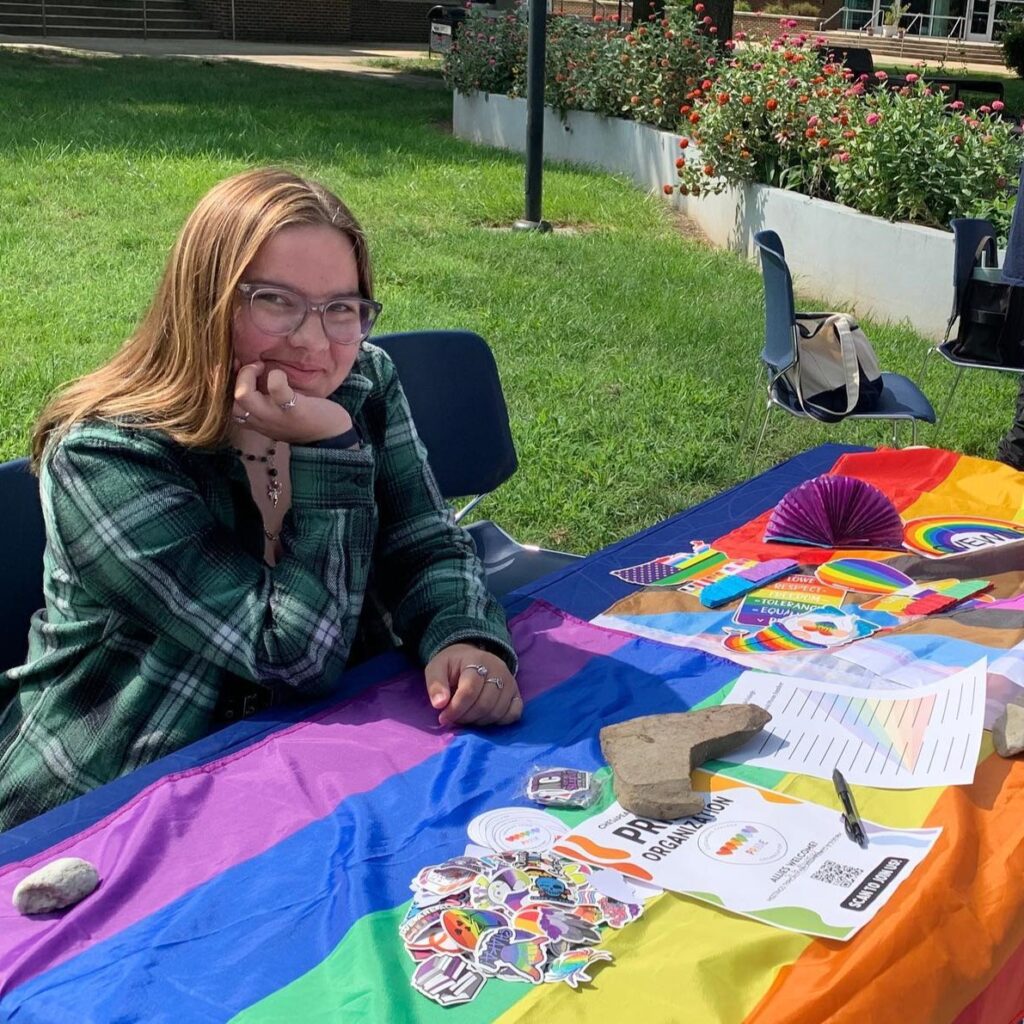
{"points": [[851, 819]]}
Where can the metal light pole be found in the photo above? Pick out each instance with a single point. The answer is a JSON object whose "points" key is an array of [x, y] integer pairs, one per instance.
{"points": [[532, 220]]}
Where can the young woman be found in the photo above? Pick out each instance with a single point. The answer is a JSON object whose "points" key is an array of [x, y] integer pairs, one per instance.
{"points": [[237, 505]]}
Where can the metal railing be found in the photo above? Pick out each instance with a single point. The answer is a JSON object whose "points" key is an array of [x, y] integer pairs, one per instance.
{"points": [[45, 26], [924, 23]]}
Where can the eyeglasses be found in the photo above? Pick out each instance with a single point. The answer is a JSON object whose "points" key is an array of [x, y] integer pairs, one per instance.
{"points": [[347, 320]]}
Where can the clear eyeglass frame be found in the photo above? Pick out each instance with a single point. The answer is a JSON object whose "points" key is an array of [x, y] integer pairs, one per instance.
{"points": [[369, 310]]}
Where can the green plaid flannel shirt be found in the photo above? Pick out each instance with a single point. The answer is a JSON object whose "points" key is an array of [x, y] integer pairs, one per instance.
{"points": [[157, 595]]}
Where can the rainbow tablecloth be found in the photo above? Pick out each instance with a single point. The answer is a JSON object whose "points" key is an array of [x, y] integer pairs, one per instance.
{"points": [[261, 875]]}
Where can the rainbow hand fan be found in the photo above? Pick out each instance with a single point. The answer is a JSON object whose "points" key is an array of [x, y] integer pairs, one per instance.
{"points": [[836, 512]]}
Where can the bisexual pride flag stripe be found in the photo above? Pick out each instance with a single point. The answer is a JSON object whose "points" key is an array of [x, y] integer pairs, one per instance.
{"points": [[283, 905], [228, 882]]}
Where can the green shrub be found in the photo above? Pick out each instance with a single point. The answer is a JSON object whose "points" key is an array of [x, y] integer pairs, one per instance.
{"points": [[488, 54], [783, 117], [804, 9], [1013, 48], [593, 64]]}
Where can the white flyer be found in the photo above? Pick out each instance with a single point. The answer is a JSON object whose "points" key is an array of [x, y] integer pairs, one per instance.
{"points": [[758, 853], [926, 736]]}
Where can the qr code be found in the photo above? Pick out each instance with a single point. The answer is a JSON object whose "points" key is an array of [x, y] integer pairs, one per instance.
{"points": [[837, 874]]}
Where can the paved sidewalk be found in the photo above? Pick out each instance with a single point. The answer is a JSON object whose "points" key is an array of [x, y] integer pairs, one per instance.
{"points": [[350, 58]]}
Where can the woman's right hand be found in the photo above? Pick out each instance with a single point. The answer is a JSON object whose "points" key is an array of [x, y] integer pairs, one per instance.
{"points": [[309, 419]]}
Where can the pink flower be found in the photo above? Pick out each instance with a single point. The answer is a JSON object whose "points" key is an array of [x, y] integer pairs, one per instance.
{"points": [[998, 104], [872, 119], [793, 83], [843, 158], [984, 109], [881, 76], [956, 105], [738, 36], [757, 65], [791, 23], [730, 45], [812, 122], [712, 61], [912, 77]]}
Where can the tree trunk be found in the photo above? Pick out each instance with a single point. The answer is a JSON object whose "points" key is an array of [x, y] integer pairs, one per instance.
{"points": [[642, 9], [721, 14]]}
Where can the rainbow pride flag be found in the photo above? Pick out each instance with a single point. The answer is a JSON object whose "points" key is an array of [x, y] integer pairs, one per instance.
{"points": [[265, 882]]}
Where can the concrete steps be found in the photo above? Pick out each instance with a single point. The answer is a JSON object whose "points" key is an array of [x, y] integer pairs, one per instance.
{"points": [[157, 19], [921, 48]]}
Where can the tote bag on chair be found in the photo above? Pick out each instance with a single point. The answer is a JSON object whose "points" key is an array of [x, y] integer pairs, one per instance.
{"points": [[836, 372]]}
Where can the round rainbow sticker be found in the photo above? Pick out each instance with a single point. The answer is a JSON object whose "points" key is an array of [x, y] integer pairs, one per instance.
{"points": [[939, 536], [863, 575]]}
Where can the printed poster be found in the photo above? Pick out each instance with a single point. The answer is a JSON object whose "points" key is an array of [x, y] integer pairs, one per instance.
{"points": [[762, 854]]}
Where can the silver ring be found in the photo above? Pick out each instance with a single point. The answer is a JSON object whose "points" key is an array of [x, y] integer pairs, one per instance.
{"points": [[496, 680], [290, 404], [241, 419], [479, 670]]}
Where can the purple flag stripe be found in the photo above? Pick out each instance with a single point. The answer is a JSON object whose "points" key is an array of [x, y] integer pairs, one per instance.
{"points": [[188, 827]]}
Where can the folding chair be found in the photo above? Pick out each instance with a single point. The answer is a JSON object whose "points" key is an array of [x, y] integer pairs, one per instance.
{"points": [[968, 235], [452, 384], [24, 538], [900, 399]]}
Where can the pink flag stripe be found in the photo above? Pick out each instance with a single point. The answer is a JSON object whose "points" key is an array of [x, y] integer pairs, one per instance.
{"points": [[188, 827]]}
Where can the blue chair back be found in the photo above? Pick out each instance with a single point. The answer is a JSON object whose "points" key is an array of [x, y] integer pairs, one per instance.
{"points": [[779, 351], [968, 234], [452, 384], [24, 541]]}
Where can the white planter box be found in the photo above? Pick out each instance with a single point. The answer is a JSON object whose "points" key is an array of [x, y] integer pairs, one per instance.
{"points": [[880, 269]]}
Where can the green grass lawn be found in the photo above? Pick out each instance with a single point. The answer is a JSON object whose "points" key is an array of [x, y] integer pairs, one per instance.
{"points": [[430, 67], [627, 349]]}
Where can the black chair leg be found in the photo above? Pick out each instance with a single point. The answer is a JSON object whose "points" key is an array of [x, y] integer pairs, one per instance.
{"points": [[760, 437], [759, 376], [948, 406]]}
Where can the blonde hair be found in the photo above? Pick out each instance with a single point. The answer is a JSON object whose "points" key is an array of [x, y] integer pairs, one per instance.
{"points": [[175, 373]]}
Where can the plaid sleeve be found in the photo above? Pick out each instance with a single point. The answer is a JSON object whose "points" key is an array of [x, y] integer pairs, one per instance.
{"points": [[426, 566], [135, 534]]}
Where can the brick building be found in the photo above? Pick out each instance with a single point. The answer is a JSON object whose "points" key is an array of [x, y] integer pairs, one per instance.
{"points": [[322, 21]]}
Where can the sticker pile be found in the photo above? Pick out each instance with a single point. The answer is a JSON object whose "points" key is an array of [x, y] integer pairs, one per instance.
{"points": [[518, 916]]}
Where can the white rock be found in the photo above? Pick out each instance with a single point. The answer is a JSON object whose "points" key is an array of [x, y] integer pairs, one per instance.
{"points": [[59, 884], [1008, 729]]}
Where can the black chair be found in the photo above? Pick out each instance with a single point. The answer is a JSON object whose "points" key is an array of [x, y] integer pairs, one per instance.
{"points": [[452, 384], [900, 399], [854, 58], [987, 88], [974, 246], [24, 540]]}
